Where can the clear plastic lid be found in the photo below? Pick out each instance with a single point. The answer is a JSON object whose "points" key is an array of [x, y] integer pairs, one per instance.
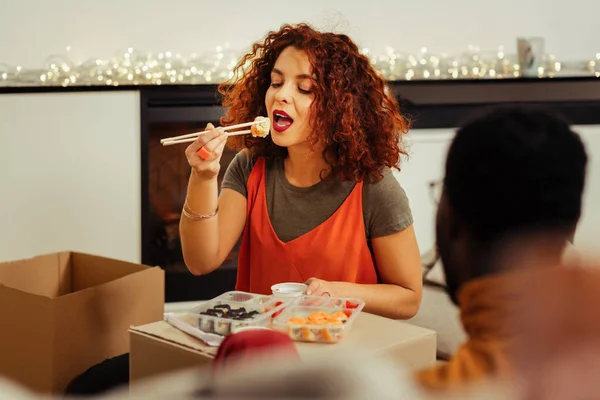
{"points": [[232, 310], [318, 318]]}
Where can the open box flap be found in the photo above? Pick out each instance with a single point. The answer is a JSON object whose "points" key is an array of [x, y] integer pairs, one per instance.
{"points": [[168, 333], [91, 270], [46, 275]]}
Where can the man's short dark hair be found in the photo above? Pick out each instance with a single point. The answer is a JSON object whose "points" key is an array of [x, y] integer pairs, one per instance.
{"points": [[516, 170]]}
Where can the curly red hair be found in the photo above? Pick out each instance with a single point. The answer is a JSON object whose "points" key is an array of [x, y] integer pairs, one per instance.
{"points": [[359, 123]]}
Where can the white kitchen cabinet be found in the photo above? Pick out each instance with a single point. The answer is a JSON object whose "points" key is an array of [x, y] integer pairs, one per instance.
{"points": [[425, 163]]}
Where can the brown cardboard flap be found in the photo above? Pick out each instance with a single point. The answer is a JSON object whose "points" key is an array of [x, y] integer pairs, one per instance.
{"points": [[151, 356], [38, 275], [166, 332], [26, 335], [65, 273], [90, 270]]}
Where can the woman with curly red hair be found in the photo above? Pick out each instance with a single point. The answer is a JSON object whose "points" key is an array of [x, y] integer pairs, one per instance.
{"points": [[316, 200]]}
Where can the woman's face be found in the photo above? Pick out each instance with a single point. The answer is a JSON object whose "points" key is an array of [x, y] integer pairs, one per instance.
{"points": [[289, 98]]}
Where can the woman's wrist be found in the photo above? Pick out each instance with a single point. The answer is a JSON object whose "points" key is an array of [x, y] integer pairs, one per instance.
{"points": [[202, 196], [194, 216], [198, 179]]}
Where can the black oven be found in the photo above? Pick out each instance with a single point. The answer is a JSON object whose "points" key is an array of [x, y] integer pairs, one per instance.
{"points": [[165, 112]]}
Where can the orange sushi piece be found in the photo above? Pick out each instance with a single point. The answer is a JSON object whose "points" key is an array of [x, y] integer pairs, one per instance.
{"points": [[318, 315], [305, 333], [338, 316], [326, 335], [298, 321]]}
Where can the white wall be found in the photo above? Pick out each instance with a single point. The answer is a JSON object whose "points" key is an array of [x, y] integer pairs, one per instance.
{"points": [[70, 174], [32, 29]]}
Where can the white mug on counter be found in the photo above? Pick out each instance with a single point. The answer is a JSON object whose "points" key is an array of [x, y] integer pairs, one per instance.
{"points": [[530, 53]]}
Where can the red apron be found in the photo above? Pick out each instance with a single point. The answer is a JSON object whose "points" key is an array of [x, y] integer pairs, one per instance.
{"points": [[336, 250]]}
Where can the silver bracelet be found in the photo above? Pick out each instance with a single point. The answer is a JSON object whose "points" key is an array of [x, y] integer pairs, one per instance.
{"points": [[187, 211]]}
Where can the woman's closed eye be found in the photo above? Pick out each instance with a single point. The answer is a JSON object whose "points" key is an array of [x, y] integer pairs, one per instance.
{"points": [[276, 85]]}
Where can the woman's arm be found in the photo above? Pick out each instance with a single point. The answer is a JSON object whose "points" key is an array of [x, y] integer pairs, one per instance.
{"points": [[207, 242], [399, 265]]}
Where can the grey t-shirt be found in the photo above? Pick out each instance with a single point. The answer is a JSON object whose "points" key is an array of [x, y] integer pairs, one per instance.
{"points": [[295, 211]]}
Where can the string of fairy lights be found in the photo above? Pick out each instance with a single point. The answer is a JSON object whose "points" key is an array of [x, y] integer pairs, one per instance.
{"points": [[134, 67]]}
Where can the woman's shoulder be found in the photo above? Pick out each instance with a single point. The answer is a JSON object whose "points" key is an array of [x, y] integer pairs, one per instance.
{"points": [[385, 205], [388, 184], [244, 159], [238, 171]]}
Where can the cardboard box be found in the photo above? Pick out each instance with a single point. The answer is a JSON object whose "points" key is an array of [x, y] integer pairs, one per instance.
{"points": [[65, 312], [159, 348]]}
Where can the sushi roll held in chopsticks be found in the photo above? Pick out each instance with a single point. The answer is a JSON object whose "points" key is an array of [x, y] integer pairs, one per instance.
{"points": [[258, 128], [262, 128]]}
